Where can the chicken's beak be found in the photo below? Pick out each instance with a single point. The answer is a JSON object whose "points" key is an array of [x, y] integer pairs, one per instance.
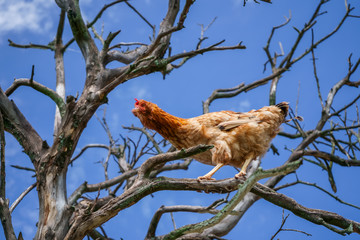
{"points": [[134, 111]]}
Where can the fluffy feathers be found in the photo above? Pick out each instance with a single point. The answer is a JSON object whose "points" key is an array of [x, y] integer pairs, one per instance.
{"points": [[238, 138]]}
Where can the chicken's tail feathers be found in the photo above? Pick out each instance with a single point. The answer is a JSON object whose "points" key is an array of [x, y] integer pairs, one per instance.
{"points": [[284, 106]]}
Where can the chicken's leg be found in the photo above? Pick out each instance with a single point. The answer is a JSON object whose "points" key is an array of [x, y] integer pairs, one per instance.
{"points": [[242, 173], [211, 173]]}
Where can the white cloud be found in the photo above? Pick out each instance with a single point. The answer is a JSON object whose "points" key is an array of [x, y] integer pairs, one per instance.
{"points": [[244, 105], [22, 15], [140, 92]]}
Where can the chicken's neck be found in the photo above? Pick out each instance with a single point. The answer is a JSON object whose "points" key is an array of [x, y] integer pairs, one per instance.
{"points": [[164, 123]]}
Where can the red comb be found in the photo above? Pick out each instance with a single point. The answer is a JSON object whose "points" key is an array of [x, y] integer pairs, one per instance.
{"points": [[136, 100]]}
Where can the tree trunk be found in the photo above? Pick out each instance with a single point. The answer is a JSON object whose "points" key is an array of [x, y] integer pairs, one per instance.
{"points": [[54, 214]]}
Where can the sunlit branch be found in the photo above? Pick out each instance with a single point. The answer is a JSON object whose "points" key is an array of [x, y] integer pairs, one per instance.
{"points": [[59, 68], [21, 197], [271, 59], [203, 30]]}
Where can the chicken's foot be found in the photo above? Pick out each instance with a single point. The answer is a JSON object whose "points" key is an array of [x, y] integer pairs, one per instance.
{"points": [[242, 173], [209, 175]]}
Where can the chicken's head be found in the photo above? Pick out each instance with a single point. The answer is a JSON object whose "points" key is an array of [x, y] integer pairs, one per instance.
{"points": [[142, 108]]}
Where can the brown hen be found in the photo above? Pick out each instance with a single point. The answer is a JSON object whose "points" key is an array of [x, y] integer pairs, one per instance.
{"points": [[238, 138]]}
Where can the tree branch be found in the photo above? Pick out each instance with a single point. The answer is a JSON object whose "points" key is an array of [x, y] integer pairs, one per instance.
{"points": [[332, 158], [6, 221], [80, 32], [149, 164], [5, 214], [50, 46], [21, 197], [40, 88], [283, 229], [179, 208], [160, 44], [2, 159], [141, 16], [85, 187], [231, 92], [243, 189], [97, 17], [60, 71], [124, 57], [328, 219], [147, 134], [203, 50], [16, 124], [89, 146], [318, 187]]}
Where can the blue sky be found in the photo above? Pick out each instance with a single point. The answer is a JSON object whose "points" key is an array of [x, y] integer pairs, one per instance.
{"points": [[181, 94]]}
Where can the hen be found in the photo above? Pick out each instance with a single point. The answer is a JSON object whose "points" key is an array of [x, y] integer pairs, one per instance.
{"points": [[238, 138]]}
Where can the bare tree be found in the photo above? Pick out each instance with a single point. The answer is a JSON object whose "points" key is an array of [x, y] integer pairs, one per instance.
{"points": [[333, 141]]}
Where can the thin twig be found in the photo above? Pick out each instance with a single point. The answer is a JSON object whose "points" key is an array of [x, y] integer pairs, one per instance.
{"points": [[318, 187], [141, 16], [23, 168], [147, 134], [31, 45], [315, 70], [285, 229], [87, 147], [2, 159], [180, 208]]}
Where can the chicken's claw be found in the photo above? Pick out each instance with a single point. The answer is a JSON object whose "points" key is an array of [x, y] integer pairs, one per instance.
{"points": [[206, 178], [241, 174]]}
